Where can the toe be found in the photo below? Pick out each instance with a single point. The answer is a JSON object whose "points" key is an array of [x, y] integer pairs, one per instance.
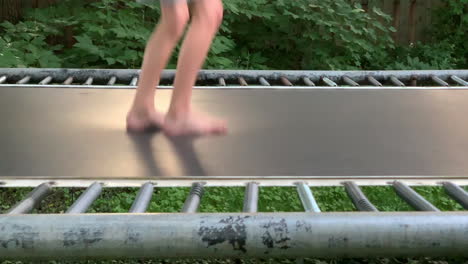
{"points": [[218, 128]]}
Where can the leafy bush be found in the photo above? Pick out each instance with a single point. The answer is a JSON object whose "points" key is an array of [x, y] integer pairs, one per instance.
{"points": [[434, 56], [450, 27], [258, 34], [304, 34], [255, 34], [107, 33], [24, 44], [114, 35]]}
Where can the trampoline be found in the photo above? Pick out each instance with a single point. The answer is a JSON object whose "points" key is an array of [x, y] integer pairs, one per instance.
{"points": [[286, 131], [302, 129]]}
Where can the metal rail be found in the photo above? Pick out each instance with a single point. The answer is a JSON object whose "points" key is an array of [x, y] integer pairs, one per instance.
{"points": [[250, 234], [261, 235], [239, 79], [359, 199], [12, 181], [193, 200], [86, 199], [413, 198], [143, 198], [307, 198], [457, 193], [31, 200], [251, 198]]}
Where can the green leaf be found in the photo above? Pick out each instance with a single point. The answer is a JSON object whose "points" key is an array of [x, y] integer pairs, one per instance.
{"points": [[8, 25], [8, 59], [110, 61]]}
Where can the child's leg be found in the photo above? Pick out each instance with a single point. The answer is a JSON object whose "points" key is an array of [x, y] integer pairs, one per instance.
{"points": [[181, 119], [171, 26]]}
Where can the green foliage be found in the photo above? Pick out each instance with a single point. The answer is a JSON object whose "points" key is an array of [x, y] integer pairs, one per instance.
{"points": [[108, 33], [332, 199], [257, 34], [278, 199], [222, 199], [439, 198], [113, 201], [9, 197], [24, 45], [305, 34], [446, 49], [450, 26], [168, 200], [219, 199], [260, 34], [436, 56], [385, 199], [114, 39]]}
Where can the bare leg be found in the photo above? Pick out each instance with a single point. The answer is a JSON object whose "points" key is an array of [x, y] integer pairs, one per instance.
{"points": [[171, 26], [181, 118]]}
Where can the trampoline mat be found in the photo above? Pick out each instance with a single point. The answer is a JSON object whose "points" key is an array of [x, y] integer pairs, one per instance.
{"points": [[80, 133]]}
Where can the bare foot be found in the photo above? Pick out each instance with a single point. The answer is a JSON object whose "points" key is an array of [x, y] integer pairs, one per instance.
{"points": [[139, 120], [193, 124]]}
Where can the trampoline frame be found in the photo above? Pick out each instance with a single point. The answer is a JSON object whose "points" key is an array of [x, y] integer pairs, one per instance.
{"points": [[312, 233]]}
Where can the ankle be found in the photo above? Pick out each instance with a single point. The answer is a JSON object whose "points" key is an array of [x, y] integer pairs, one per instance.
{"points": [[179, 112], [142, 106]]}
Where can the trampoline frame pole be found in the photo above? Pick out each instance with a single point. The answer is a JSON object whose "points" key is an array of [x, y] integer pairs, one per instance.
{"points": [[292, 235]]}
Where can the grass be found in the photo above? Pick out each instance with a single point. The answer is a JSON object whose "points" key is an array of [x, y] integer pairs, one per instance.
{"points": [[219, 199]]}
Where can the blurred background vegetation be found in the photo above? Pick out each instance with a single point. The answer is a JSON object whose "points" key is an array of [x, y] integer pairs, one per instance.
{"points": [[255, 34]]}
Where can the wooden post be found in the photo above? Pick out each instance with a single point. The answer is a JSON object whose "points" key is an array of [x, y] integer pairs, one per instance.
{"points": [[396, 18], [412, 22], [365, 5], [42, 3], [10, 10]]}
